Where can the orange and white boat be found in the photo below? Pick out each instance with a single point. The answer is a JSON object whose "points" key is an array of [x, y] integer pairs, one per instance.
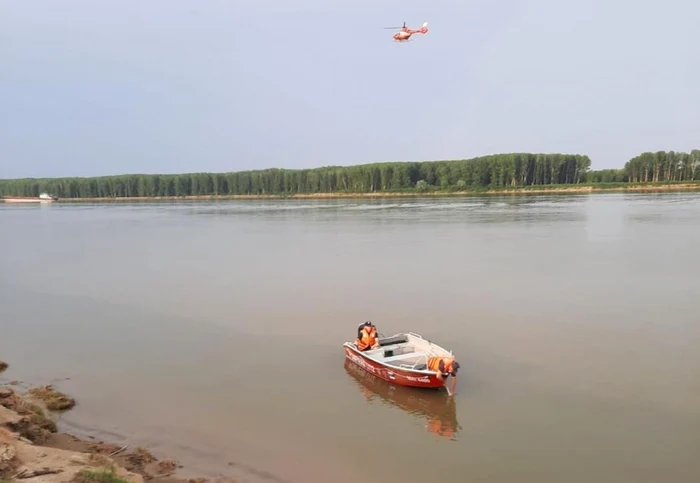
{"points": [[401, 359]]}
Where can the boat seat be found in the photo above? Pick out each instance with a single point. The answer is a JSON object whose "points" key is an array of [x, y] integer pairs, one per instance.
{"points": [[409, 355], [398, 349], [396, 339]]}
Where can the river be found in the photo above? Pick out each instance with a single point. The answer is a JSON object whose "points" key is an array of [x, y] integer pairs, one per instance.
{"points": [[211, 332]]}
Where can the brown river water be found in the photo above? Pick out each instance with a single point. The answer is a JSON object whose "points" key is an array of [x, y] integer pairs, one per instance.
{"points": [[212, 333]]}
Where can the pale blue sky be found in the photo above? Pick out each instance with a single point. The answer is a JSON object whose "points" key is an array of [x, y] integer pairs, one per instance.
{"points": [[107, 87]]}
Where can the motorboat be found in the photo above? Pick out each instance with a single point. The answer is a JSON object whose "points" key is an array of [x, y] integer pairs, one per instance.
{"points": [[401, 359]]}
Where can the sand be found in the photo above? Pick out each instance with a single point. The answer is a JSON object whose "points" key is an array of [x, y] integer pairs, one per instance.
{"points": [[32, 449]]}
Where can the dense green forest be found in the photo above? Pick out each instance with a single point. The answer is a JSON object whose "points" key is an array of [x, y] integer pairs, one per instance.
{"points": [[658, 167], [663, 166], [494, 171]]}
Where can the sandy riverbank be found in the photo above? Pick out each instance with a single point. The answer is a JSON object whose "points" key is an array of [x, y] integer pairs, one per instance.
{"points": [[648, 187], [32, 448]]}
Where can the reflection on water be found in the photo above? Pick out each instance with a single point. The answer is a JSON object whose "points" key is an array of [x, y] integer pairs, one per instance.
{"points": [[436, 407], [496, 210]]}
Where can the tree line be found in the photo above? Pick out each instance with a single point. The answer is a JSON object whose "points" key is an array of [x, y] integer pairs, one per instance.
{"points": [[657, 167], [664, 166], [505, 170], [493, 171]]}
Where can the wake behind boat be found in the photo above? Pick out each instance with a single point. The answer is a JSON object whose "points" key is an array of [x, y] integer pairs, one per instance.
{"points": [[400, 359]]}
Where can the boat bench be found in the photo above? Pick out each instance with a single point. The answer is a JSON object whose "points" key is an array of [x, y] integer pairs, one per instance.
{"points": [[397, 346], [409, 355], [396, 339]]}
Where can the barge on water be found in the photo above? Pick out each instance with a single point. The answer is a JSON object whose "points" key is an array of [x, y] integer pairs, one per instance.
{"points": [[42, 198]]}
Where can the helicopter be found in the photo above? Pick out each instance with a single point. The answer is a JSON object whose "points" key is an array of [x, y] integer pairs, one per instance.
{"points": [[405, 33]]}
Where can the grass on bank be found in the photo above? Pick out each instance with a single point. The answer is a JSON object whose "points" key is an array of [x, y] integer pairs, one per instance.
{"points": [[99, 476], [54, 400]]}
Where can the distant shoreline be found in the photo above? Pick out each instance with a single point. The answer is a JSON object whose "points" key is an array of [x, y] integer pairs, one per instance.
{"points": [[499, 174], [555, 189]]}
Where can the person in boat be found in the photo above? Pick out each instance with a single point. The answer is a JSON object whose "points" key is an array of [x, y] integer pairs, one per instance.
{"points": [[445, 367], [367, 337]]}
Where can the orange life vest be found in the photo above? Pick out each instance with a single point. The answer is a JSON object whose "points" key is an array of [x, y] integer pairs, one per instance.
{"points": [[434, 364], [368, 339]]}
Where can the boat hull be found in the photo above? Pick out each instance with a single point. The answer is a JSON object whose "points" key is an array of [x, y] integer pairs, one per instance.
{"points": [[392, 374]]}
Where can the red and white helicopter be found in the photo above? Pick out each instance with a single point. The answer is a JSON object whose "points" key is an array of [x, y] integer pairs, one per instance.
{"points": [[405, 33]]}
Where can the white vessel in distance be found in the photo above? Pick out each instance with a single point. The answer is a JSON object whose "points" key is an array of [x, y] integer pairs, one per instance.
{"points": [[42, 198]]}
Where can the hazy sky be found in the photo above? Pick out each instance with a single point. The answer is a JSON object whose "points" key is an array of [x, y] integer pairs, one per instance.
{"points": [[105, 87]]}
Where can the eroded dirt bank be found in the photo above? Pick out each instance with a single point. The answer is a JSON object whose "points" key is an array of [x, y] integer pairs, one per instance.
{"points": [[32, 449]]}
